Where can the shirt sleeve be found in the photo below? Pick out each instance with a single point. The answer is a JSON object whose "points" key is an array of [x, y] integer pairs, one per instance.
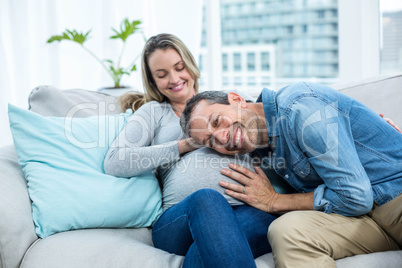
{"points": [[132, 152], [324, 134]]}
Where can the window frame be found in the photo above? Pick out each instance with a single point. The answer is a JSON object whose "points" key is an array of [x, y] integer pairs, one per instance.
{"points": [[359, 39]]}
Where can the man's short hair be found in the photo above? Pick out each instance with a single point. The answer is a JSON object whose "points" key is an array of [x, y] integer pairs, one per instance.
{"points": [[211, 97]]}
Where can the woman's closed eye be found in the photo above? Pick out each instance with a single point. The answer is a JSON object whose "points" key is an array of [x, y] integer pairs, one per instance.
{"points": [[161, 75], [180, 66]]}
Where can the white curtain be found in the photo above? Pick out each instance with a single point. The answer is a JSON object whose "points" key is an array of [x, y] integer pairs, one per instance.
{"points": [[27, 61]]}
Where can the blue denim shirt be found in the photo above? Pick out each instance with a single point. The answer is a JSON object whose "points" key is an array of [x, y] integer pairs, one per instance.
{"points": [[329, 143]]}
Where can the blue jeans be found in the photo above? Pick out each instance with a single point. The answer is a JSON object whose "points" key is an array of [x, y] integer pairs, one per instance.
{"points": [[210, 233]]}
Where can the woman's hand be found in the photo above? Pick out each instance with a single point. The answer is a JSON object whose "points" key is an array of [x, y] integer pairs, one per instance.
{"points": [[389, 121], [187, 145]]}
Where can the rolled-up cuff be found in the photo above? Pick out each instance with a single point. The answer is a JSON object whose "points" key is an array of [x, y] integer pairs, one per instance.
{"points": [[320, 203]]}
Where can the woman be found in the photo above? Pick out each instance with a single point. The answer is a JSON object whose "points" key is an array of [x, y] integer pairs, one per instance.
{"points": [[206, 226]]}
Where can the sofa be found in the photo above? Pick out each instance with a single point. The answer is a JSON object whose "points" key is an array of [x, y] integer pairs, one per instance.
{"points": [[132, 247]]}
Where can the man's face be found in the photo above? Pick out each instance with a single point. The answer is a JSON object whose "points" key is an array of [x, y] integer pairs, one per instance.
{"points": [[228, 129]]}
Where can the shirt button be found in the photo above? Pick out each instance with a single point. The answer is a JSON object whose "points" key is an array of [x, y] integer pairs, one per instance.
{"points": [[286, 176]]}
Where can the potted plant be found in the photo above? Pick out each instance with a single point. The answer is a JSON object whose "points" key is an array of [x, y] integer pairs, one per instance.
{"points": [[115, 70]]}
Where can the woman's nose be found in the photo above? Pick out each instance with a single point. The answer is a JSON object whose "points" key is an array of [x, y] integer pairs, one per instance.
{"points": [[174, 78]]}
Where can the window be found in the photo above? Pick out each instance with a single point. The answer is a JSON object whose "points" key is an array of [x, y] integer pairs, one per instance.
{"points": [[225, 10], [334, 54], [225, 81], [239, 8], [320, 54], [251, 81], [237, 61], [265, 80], [265, 61], [344, 38], [289, 70], [200, 65], [303, 42], [319, 28], [202, 81], [251, 61], [320, 14], [224, 62], [237, 81], [288, 43], [305, 69], [278, 39], [204, 38], [391, 36]]}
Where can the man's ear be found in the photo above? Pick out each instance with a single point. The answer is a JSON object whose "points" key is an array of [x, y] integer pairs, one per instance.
{"points": [[236, 99]]}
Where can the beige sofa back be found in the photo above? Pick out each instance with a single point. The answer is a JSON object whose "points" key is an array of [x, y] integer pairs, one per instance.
{"points": [[383, 94]]}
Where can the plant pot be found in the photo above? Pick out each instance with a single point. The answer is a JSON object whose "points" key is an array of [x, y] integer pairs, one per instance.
{"points": [[115, 91]]}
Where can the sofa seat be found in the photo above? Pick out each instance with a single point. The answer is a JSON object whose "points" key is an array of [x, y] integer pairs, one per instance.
{"points": [[99, 248]]}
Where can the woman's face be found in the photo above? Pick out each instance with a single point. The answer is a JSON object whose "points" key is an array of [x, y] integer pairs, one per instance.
{"points": [[170, 75]]}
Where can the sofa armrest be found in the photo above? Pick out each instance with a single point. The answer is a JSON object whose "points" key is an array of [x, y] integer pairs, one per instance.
{"points": [[17, 230]]}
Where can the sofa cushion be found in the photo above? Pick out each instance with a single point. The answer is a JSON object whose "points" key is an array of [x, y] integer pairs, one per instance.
{"points": [[62, 160], [50, 101], [387, 259], [99, 248]]}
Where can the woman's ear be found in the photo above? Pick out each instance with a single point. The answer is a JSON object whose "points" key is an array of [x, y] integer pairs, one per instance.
{"points": [[236, 99]]}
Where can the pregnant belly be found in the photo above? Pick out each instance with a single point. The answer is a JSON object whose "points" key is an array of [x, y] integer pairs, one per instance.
{"points": [[198, 170]]}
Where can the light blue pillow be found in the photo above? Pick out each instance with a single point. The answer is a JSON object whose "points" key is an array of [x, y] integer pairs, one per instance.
{"points": [[62, 159]]}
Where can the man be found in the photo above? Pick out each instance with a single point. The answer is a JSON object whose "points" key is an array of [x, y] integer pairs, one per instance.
{"points": [[344, 161]]}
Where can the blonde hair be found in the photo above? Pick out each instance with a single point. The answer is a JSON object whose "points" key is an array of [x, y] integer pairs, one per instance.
{"points": [[131, 100], [161, 41]]}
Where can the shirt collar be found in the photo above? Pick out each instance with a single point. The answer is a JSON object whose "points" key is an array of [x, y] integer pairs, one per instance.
{"points": [[268, 99]]}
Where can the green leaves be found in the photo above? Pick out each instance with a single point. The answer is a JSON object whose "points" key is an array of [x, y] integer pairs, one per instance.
{"points": [[73, 35], [127, 28], [116, 72]]}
